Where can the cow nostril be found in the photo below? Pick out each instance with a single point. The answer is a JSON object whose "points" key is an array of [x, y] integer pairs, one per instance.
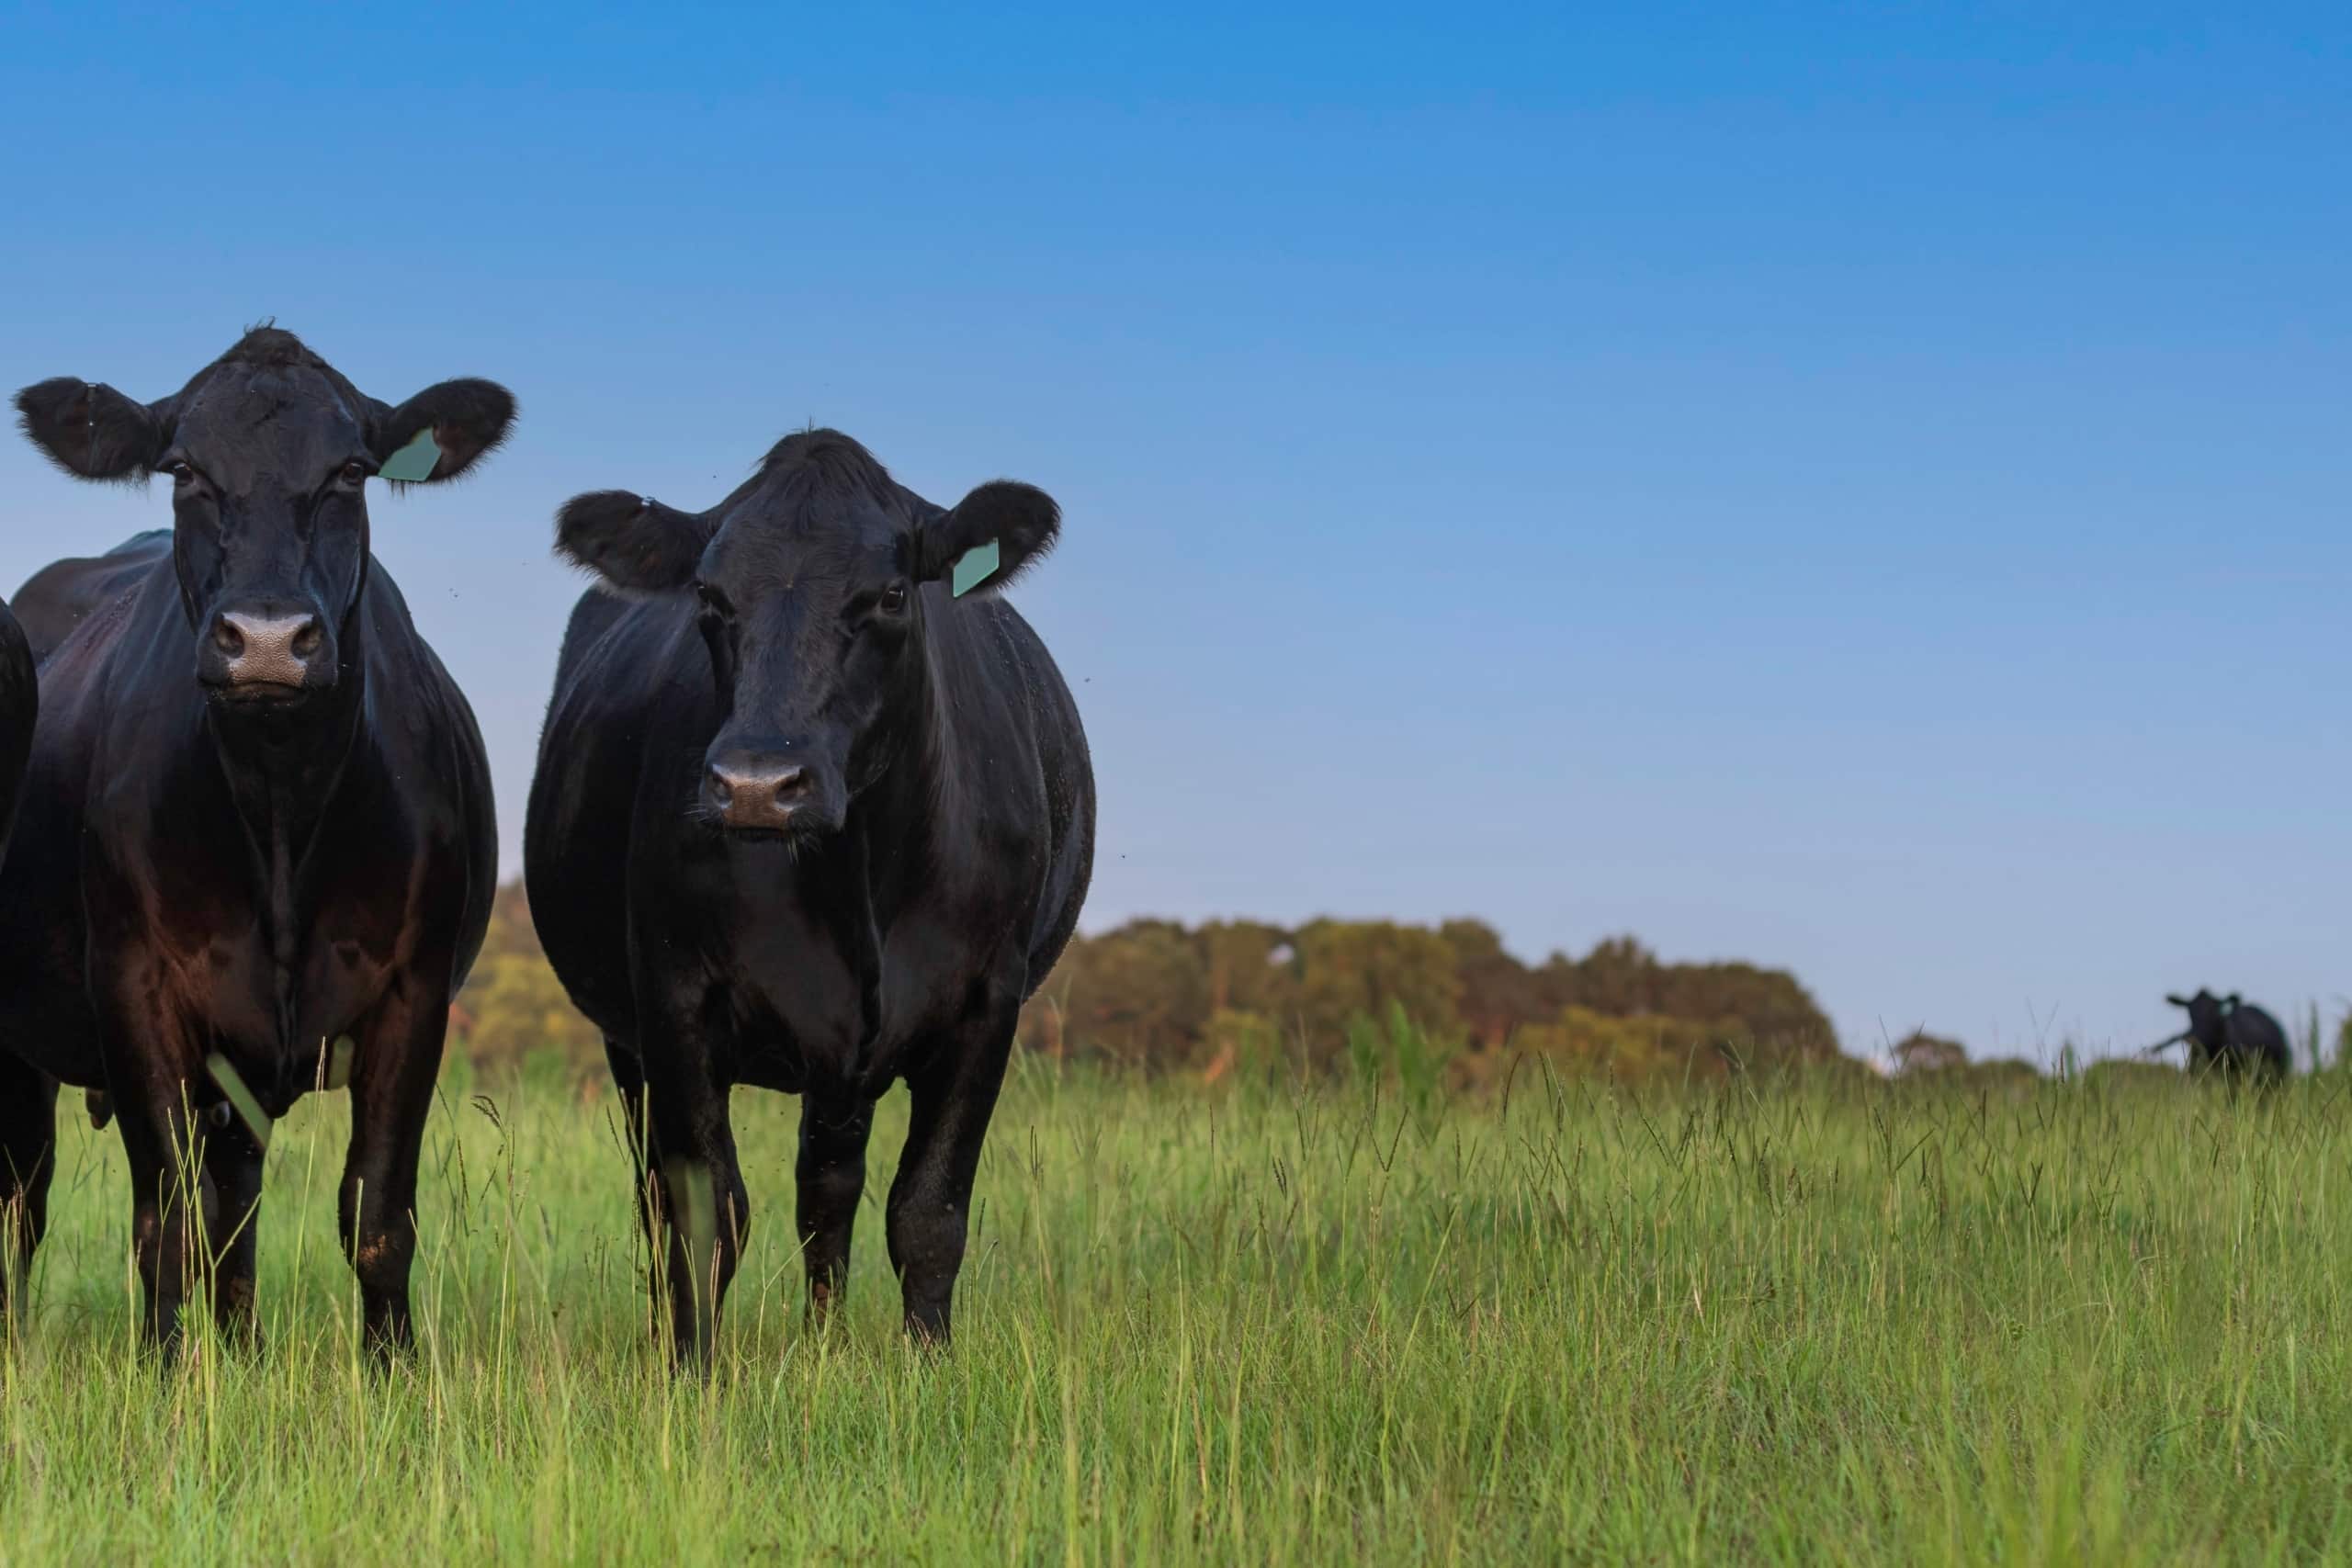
{"points": [[307, 640], [226, 635], [755, 794]]}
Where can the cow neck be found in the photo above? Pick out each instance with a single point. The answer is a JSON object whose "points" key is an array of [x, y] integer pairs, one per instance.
{"points": [[283, 773], [899, 814]]}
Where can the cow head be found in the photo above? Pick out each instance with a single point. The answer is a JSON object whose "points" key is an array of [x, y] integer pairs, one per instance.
{"points": [[812, 583], [268, 450], [2208, 1017]]}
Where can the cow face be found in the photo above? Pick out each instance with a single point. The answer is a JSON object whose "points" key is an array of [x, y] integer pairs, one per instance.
{"points": [[811, 586], [268, 451], [2208, 1017]]}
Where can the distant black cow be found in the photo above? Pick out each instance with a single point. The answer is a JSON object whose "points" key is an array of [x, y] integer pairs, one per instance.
{"points": [[2232, 1037], [258, 815], [805, 820]]}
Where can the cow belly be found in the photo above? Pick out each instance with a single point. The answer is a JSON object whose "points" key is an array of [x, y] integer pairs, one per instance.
{"points": [[272, 1024]]}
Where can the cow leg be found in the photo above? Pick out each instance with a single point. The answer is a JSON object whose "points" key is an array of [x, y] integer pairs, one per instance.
{"points": [[929, 1201], [629, 1078], [698, 1189], [159, 1145], [691, 1177], [232, 1164], [391, 1093], [28, 1160], [636, 1129], [144, 1050], [832, 1176]]}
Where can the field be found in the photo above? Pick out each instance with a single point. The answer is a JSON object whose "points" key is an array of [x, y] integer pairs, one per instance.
{"points": [[2100, 1321]]}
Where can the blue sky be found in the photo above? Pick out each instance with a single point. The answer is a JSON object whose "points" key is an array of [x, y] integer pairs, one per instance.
{"points": [[1859, 487]]}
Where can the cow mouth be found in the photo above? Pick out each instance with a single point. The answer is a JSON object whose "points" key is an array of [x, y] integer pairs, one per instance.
{"points": [[768, 835], [261, 695], [802, 830]]}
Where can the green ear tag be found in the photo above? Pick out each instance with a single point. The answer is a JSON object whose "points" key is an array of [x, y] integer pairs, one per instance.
{"points": [[413, 461], [975, 567]]}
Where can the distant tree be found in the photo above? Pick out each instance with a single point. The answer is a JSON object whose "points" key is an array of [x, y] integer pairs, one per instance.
{"points": [[512, 1004], [1920, 1052], [1350, 969], [1498, 992], [1249, 966], [1632, 1048], [518, 1008], [1231, 993], [1618, 979], [1770, 1014], [1140, 993], [511, 929]]}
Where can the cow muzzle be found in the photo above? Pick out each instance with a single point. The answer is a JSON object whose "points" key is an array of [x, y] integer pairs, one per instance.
{"points": [[265, 651], [760, 792]]}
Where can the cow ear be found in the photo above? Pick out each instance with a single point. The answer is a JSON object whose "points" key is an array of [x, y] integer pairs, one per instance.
{"points": [[633, 542], [2177, 1001], [1019, 523], [90, 430], [466, 418]]}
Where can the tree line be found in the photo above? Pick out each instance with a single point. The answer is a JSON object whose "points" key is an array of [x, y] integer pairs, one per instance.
{"points": [[1222, 995]]}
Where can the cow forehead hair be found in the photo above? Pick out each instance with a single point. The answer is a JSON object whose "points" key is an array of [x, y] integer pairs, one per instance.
{"points": [[759, 556], [825, 498], [815, 478], [268, 372], [827, 457]]}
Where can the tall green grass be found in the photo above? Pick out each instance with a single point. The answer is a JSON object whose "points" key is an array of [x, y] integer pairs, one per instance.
{"points": [[2099, 1322]]}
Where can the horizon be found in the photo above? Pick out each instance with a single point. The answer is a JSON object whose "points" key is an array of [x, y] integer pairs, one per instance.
{"points": [[1862, 496]]}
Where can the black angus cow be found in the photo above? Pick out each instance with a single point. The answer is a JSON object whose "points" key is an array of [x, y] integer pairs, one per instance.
{"points": [[806, 819], [2233, 1037], [258, 815]]}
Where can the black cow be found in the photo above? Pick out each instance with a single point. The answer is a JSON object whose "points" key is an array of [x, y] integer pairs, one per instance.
{"points": [[258, 815], [2232, 1037], [806, 819]]}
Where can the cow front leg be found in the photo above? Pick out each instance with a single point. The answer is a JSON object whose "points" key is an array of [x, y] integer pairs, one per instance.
{"points": [[232, 1165], [156, 1102], [629, 1080], [166, 1187], [28, 1160], [831, 1173], [697, 1190], [931, 1199], [392, 1073], [692, 1185]]}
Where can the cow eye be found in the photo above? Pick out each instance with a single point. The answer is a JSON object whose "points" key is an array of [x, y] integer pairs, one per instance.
{"points": [[894, 598], [355, 472], [713, 602], [181, 473]]}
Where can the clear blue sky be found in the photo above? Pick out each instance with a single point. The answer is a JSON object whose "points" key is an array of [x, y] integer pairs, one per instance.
{"points": [[1859, 488]]}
